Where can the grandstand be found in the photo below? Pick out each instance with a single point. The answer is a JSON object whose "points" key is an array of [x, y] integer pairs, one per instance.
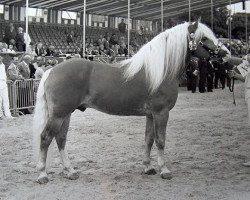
{"points": [[49, 26]]}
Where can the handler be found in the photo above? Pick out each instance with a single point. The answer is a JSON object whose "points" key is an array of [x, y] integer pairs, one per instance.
{"points": [[245, 79]]}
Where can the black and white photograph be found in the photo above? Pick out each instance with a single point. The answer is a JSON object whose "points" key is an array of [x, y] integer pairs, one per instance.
{"points": [[125, 100]]}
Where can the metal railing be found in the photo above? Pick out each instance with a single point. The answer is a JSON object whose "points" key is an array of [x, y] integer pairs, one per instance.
{"points": [[22, 95]]}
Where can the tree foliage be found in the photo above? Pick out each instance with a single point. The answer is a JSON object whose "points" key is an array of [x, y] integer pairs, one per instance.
{"points": [[220, 22]]}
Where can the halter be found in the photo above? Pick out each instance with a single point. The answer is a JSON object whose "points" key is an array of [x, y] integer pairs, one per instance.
{"points": [[193, 45]]}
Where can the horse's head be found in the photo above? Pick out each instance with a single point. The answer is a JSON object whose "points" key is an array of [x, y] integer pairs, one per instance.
{"points": [[202, 42]]}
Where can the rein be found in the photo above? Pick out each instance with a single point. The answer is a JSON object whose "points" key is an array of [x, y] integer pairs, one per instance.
{"points": [[231, 89]]}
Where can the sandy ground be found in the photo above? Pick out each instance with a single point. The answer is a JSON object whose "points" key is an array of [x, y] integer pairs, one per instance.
{"points": [[207, 141]]}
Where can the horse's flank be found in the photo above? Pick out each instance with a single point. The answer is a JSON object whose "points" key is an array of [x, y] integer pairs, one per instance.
{"points": [[86, 86]]}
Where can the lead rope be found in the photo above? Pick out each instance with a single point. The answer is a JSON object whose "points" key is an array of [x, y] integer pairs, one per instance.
{"points": [[231, 89]]}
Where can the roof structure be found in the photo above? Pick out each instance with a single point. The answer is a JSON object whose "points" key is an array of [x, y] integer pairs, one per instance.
{"points": [[140, 9]]}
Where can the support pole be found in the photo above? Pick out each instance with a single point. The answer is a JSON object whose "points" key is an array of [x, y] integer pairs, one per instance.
{"points": [[212, 15], [230, 25], [27, 26], [162, 16], [128, 25], [189, 10], [246, 29], [84, 29]]}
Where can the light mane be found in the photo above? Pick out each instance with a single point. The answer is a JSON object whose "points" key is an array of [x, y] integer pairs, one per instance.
{"points": [[164, 56]]}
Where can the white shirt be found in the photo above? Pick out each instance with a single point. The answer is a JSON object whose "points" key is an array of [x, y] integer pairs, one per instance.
{"points": [[247, 86], [3, 77], [39, 73], [2, 73], [11, 51]]}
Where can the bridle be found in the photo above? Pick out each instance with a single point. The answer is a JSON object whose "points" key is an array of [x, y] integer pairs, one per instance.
{"points": [[193, 46]]}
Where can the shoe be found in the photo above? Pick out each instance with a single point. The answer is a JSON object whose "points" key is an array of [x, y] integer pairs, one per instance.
{"points": [[247, 164]]}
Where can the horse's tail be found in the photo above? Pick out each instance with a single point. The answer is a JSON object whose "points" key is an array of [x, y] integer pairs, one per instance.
{"points": [[41, 115]]}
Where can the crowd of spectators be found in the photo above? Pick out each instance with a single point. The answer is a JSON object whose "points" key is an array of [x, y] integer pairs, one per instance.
{"points": [[109, 44], [238, 48]]}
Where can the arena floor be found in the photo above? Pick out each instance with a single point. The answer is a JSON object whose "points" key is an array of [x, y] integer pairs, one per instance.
{"points": [[207, 141]]}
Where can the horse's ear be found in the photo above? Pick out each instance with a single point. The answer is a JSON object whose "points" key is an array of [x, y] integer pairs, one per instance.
{"points": [[196, 24]]}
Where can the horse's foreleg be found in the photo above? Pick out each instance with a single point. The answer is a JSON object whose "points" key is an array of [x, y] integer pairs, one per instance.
{"points": [[160, 123], [61, 142], [149, 141], [50, 130]]}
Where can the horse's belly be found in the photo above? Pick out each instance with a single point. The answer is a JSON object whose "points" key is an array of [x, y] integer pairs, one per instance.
{"points": [[114, 106]]}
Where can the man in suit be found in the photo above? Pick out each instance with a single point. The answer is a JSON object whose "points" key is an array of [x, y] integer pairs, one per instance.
{"points": [[203, 75], [24, 67], [50, 51], [122, 26], [39, 50], [210, 76], [10, 33], [20, 42], [192, 74], [13, 71]]}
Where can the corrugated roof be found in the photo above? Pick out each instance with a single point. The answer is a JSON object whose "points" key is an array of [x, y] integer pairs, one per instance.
{"points": [[140, 9]]}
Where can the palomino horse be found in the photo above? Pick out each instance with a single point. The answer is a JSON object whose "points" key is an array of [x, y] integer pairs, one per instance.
{"points": [[144, 85]]}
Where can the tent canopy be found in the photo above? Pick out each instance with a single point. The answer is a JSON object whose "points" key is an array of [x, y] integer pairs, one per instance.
{"points": [[140, 9]]}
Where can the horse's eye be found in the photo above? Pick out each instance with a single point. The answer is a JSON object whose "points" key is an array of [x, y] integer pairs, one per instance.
{"points": [[204, 38]]}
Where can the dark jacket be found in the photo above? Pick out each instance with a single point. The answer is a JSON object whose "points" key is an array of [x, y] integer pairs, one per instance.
{"points": [[39, 52], [122, 27], [9, 35], [49, 52]]}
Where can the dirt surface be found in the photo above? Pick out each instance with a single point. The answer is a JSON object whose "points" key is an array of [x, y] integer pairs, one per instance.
{"points": [[207, 141]]}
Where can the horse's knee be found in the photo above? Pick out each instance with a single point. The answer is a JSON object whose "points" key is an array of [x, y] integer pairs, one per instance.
{"points": [[160, 144], [46, 139], [49, 132], [60, 140]]}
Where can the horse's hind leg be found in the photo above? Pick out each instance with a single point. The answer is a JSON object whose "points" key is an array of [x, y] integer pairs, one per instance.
{"points": [[51, 129], [160, 124], [61, 142], [149, 141]]}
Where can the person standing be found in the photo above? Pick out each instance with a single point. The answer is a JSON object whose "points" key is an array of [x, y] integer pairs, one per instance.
{"points": [[210, 76], [122, 26], [4, 97], [192, 74], [246, 79], [39, 50], [10, 33], [70, 37], [13, 71], [24, 67], [20, 42], [203, 75], [50, 51]]}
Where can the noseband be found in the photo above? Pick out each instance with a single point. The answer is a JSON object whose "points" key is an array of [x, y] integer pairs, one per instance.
{"points": [[193, 46]]}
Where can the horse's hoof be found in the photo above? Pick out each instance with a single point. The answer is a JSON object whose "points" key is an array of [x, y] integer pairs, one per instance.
{"points": [[150, 171], [166, 175], [73, 175], [43, 179]]}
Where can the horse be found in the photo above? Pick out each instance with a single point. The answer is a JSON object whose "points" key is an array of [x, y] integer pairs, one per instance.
{"points": [[143, 85]]}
